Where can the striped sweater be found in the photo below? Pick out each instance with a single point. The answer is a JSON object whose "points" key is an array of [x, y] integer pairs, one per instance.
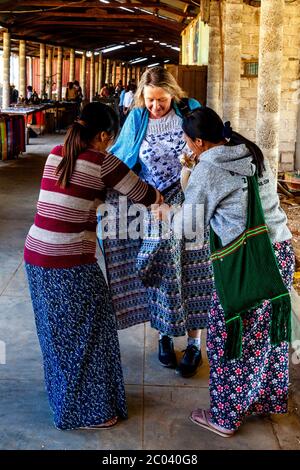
{"points": [[64, 230]]}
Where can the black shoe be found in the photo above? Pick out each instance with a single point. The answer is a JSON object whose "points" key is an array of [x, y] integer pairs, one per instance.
{"points": [[190, 362], [166, 353]]}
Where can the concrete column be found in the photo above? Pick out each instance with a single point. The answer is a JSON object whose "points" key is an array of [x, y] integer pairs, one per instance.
{"points": [[42, 70], [269, 79], [107, 72], [214, 76], [232, 61], [22, 68], [100, 79], [50, 72], [92, 76], [72, 65], [59, 73], [114, 73], [6, 70], [83, 74]]}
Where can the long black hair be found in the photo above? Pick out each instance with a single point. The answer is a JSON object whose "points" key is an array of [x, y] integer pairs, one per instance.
{"points": [[95, 117], [204, 123]]}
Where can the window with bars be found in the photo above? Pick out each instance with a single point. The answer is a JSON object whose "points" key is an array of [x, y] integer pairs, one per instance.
{"points": [[250, 68]]}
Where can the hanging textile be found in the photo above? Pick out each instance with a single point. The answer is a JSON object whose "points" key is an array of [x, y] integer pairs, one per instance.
{"points": [[12, 136]]}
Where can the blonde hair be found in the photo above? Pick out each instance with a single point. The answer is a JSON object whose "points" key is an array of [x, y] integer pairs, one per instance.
{"points": [[158, 77]]}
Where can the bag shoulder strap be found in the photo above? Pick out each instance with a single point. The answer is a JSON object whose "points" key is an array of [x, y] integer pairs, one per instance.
{"points": [[255, 217]]}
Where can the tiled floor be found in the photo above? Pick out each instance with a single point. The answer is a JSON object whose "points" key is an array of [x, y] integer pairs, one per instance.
{"points": [[159, 401]]}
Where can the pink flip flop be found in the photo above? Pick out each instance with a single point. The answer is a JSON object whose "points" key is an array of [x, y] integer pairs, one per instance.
{"points": [[107, 425], [202, 418]]}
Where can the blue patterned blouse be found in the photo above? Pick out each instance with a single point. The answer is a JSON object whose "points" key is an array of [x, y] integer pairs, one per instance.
{"points": [[160, 151]]}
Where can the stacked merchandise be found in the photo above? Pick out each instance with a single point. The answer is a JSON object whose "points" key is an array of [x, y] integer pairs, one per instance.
{"points": [[37, 120], [12, 136]]}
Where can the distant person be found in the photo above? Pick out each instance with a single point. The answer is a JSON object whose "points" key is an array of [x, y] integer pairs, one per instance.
{"points": [[78, 89], [71, 92], [29, 92], [119, 88], [128, 99], [121, 107], [111, 89], [14, 94], [104, 92]]}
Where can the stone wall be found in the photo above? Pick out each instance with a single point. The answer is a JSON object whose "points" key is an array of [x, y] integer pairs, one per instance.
{"points": [[289, 135], [290, 88], [290, 82], [248, 86]]}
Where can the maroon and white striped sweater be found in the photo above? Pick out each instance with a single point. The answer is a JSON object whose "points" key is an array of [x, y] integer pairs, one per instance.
{"points": [[64, 230]]}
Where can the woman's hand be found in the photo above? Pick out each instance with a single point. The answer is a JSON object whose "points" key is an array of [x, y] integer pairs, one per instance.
{"points": [[161, 212], [160, 199], [188, 160]]}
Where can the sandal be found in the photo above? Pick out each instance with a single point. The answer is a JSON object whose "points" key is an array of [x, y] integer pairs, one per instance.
{"points": [[108, 424], [202, 418]]}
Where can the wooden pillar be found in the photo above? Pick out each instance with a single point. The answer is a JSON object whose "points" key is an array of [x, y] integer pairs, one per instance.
{"points": [[126, 75], [22, 68], [114, 73], [59, 73], [50, 72], [6, 70], [30, 71], [269, 80], [121, 72], [107, 72], [100, 79], [96, 74], [72, 65], [83, 74], [42, 70], [92, 76], [138, 75]]}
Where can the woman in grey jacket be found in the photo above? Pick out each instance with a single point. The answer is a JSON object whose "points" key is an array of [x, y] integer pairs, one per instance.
{"points": [[256, 380]]}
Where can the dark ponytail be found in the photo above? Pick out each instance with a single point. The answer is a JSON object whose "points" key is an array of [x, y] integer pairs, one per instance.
{"points": [[204, 123], [95, 118], [258, 158]]}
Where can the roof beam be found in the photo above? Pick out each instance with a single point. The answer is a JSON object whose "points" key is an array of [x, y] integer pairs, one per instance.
{"points": [[106, 23], [55, 3]]}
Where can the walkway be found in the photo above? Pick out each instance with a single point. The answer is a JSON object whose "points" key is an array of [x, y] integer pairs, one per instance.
{"points": [[159, 401]]}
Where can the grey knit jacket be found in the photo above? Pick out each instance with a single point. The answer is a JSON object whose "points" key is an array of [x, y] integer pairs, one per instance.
{"points": [[219, 182]]}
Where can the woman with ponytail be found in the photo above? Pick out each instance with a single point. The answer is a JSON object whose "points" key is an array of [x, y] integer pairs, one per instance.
{"points": [[75, 320], [249, 322]]}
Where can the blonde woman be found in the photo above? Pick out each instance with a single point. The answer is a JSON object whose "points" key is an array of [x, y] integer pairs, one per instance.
{"points": [[175, 291]]}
